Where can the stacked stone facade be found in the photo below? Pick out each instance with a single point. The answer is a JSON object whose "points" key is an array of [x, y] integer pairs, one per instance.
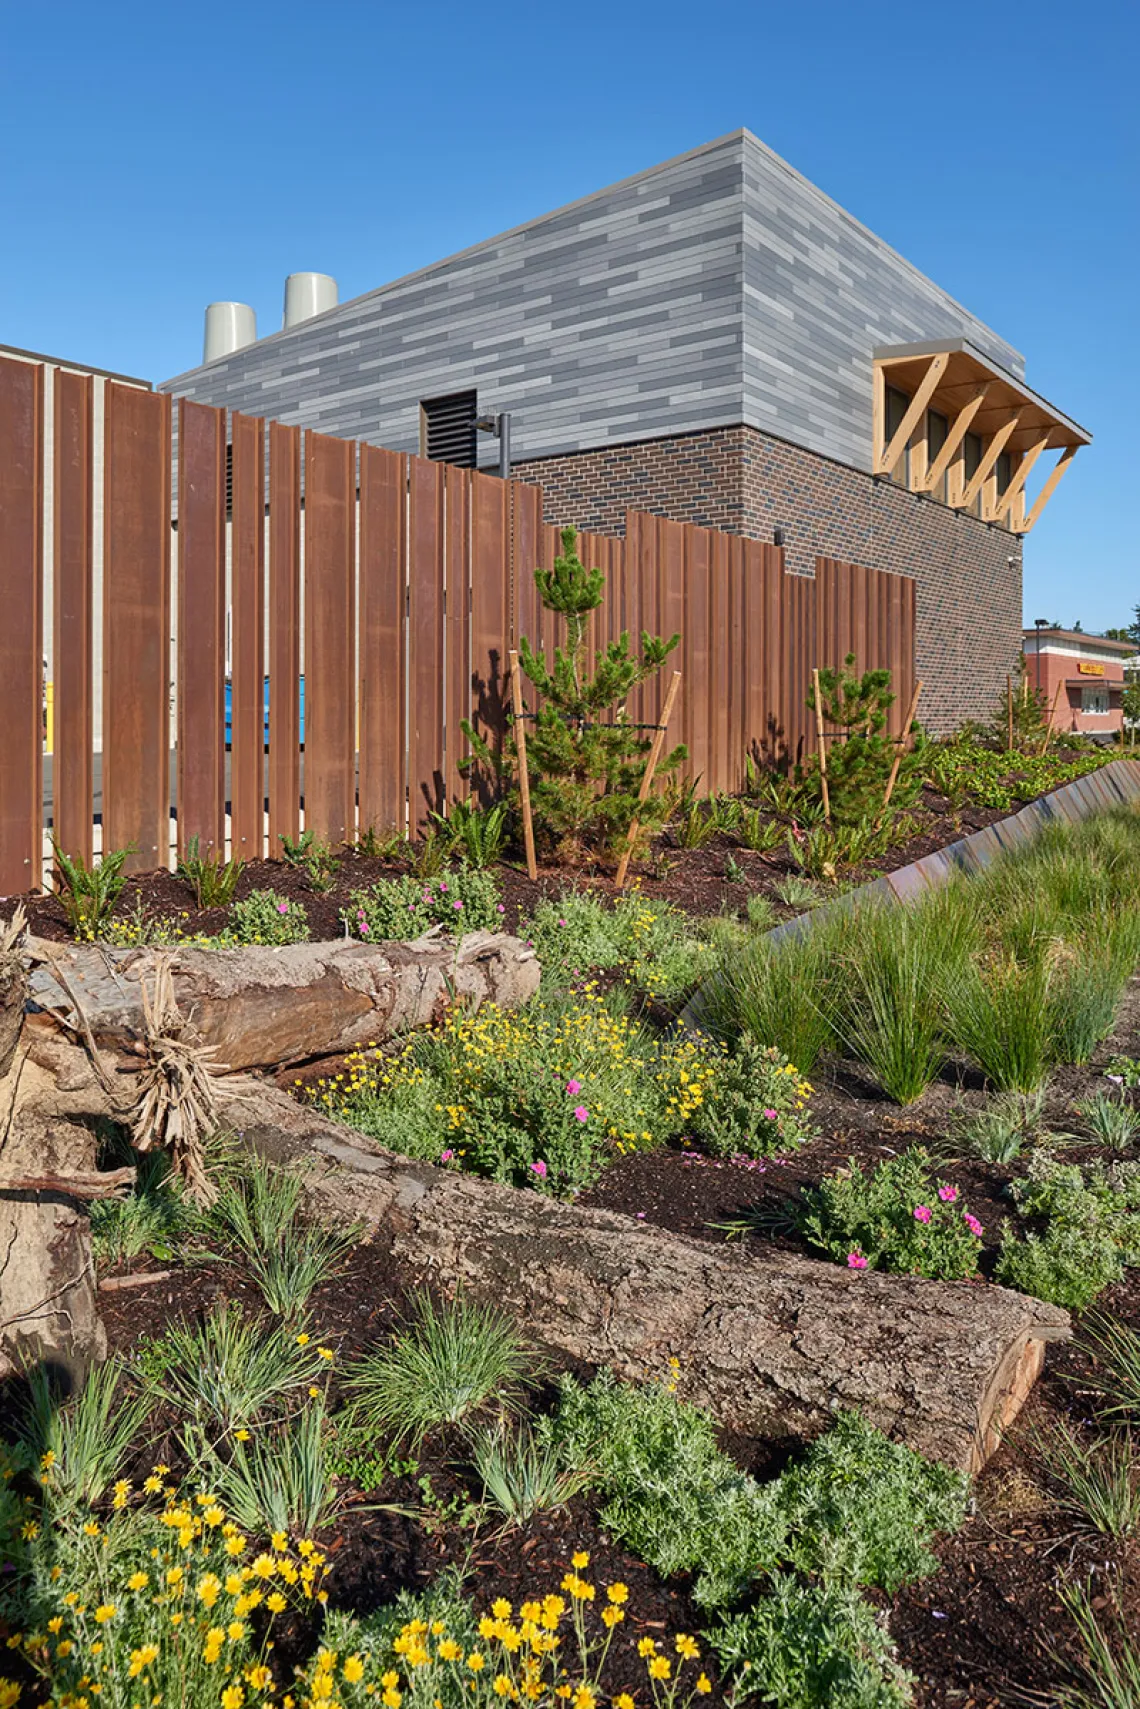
{"points": [[968, 573]]}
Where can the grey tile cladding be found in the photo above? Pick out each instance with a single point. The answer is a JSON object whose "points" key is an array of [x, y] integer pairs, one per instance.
{"points": [[715, 289]]}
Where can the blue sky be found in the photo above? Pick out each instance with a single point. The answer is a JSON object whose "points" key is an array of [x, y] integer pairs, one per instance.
{"points": [[154, 157]]}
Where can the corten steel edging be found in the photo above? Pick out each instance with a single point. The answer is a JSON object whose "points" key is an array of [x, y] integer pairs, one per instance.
{"points": [[73, 783], [201, 775], [1114, 785], [21, 625]]}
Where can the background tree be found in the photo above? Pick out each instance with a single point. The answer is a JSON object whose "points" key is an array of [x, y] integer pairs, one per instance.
{"points": [[585, 758]]}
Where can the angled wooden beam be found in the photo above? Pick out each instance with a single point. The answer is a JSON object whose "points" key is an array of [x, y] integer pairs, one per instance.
{"points": [[1019, 478], [913, 415], [958, 431], [1050, 487], [990, 456]]}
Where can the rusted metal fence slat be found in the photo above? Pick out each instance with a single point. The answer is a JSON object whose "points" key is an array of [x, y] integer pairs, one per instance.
{"points": [[201, 774], [73, 592], [21, 629]]}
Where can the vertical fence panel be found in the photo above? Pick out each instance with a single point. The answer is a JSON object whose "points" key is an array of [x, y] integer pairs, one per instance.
{"points": [[201, 790], [73, 595], [695, 645], [383, 729], [247, 644], [136, 626], [284, 634], [21, 629], [529, 549], [488, 690], [330, 688], [457, 638], [425, 638], [717, 683]]}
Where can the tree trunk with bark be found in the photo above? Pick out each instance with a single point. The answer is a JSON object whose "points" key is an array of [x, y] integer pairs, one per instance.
{"points": [[770, 1344]]}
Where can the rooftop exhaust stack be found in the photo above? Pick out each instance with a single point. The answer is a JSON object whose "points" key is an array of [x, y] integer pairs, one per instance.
{"points": [[306, 295], [229, 327]]}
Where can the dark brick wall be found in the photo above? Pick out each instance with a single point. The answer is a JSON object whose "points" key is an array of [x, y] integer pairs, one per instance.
{"points": [[742, 481]]}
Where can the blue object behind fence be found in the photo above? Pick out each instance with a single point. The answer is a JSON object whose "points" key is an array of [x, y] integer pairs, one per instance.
{"points": [[265, 734]]}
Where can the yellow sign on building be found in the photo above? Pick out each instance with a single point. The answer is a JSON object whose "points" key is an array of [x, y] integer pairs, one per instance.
{"points": [[1086, 667]]}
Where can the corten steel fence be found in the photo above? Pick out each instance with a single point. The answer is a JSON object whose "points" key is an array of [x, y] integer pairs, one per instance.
{"points": [[390, 588]]}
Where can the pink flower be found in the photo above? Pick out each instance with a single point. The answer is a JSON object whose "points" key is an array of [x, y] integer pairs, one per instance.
{"points": [[573, 1086], [539, 1169], [362, 928], [562, 922], [771, 1115], [922, 1213], [947, 1194], [442, 884], [856, 1261], [581, 1114], [972, 1224], [499, 909], [446, 1156], [457, 906], [282, 907]]}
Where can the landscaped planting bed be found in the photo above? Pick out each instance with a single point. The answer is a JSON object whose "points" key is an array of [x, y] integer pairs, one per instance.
{"points": [[315, 1469]]}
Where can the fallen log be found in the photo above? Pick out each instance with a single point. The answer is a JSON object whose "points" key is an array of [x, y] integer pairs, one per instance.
{"points": [[81, 1040], [770, 1345], [259, 1007]]}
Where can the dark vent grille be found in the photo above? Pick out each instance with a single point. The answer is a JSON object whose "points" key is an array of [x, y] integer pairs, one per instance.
{"points": [[449, 428]]}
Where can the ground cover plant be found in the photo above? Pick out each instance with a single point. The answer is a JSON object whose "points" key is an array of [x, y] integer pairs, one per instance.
{"points": [[542, 1097], [1092, 1229], [901, 1217]]}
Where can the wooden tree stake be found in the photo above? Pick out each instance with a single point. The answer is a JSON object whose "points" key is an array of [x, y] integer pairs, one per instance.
{"points": [[524, 775], [647, 780], [1052, 715], [1009, 712], [899, 745], [822, 745]]}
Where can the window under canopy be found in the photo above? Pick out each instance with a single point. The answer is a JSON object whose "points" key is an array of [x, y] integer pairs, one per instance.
{"points": [[964, 429]]}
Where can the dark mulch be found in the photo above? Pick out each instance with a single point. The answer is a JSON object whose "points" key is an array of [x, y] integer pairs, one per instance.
{"points": [[692, 879]]}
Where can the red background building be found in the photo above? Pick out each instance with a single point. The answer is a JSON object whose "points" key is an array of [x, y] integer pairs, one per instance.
{"points": [[1082, 675]]}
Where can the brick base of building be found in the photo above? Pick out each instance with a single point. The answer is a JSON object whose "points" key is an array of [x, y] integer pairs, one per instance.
{"points": [[968, 573]]}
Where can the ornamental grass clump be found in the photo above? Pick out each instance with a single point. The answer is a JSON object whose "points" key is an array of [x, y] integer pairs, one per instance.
{"points": [[258, 1210], [898, 1218], [78, 1445], [586, 758], [460, 900], [449, 1364], [230, 1370], [779, 994]]}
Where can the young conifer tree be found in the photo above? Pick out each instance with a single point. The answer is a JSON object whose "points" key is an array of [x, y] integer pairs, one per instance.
{"points": [[585, 758], [861, 753]]}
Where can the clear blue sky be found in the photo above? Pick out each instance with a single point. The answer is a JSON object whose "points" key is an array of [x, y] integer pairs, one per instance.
{"points": [[153, 157]]}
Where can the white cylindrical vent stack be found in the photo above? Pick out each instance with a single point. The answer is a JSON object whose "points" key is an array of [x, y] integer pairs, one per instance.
{"points": [[306, 295], [229, 327]]}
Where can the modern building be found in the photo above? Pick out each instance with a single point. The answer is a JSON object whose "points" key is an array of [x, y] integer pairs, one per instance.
{"points": [[1082, 678], [716, 341]]}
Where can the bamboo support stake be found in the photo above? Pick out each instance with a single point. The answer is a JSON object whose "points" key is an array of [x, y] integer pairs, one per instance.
{"points": [[822, 745], [524, 775], [647, 780], [1009, 712], [899, 745], [1052, 715]]}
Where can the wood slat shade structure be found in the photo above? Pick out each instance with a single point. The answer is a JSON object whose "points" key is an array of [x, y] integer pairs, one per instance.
{"points": [[396, 589], [977, 397]]}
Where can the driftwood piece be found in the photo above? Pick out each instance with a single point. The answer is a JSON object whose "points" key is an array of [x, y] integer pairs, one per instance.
{"points": [[769, 1344], [265, 1008]]}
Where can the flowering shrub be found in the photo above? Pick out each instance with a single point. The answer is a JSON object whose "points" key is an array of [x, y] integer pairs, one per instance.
{"points": [[536, 1097], [897, 1218], [263, 917], [551, 1650], [463, 900], [755, 1105], [154, 1601]]}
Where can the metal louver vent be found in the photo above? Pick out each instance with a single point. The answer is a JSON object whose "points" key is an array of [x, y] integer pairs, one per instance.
{"points": [[448, 428]]}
